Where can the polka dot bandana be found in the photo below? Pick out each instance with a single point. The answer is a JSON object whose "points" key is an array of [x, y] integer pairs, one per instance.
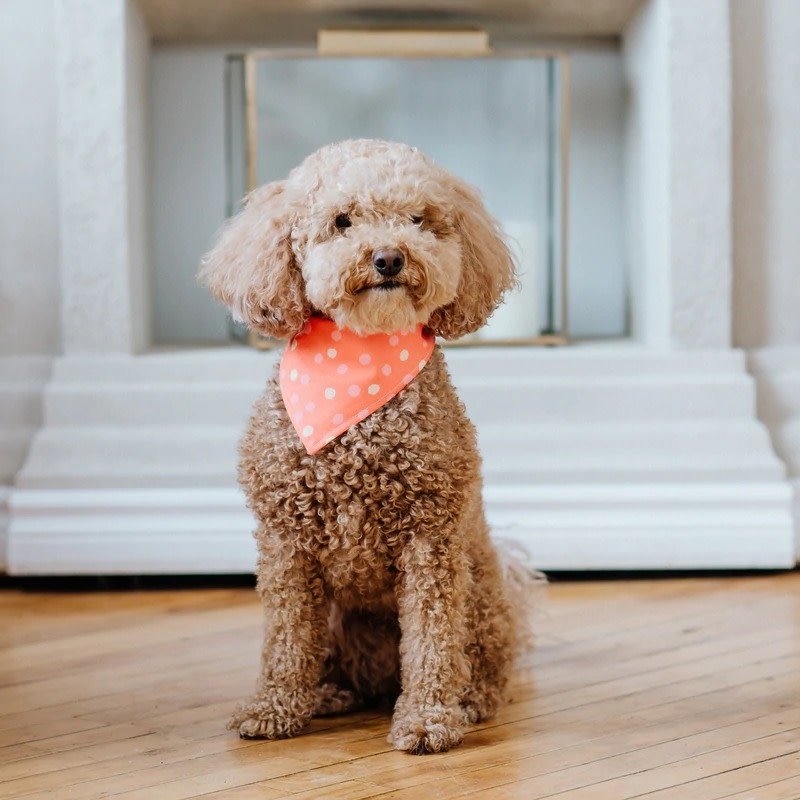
{"points": [[332, 379]]}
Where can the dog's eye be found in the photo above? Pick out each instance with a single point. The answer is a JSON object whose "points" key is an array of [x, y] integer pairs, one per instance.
{"points": [[416, 219], [342, 221]]}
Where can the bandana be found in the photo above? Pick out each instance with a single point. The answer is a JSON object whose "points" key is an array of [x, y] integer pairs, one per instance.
{"points": [[333, 378]]}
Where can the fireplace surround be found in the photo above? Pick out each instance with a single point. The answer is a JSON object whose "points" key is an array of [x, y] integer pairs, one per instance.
{"points": [[641, 452]]}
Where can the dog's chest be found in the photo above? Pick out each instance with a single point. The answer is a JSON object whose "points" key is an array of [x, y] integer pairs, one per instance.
{"points": [[358, 560], [354, 505], [364, 507]]}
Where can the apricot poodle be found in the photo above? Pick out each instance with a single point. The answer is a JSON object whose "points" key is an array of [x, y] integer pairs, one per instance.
{"points": [[376, 570]]}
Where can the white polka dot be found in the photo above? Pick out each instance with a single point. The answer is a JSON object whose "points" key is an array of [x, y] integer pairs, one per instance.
{"points": [[299, 416], [337, 419], [341, 369], [293, 375], [336, 336], [295, 398], [373, 388], [330, 393], [405, 332], [404, 355], [331, 352], [305, 378], [318, 358], [408, 379], [308, 430], [310, 407], [386, 369], [363, 414], [422, 363], [364, 359], [354, 390], [393, 340]]}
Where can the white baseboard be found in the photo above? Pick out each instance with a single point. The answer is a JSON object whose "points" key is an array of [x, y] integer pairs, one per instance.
{"points": [[595, 527]]}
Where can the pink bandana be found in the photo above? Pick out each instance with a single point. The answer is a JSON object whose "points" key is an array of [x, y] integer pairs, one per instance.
{"points": [[331, 378]]}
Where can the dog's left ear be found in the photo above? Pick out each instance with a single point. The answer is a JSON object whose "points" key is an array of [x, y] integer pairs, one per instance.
{"points": [[487, 268], [252, 269]]}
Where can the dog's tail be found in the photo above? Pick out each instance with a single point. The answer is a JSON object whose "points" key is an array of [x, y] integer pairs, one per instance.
{"points": [[525, 587]]}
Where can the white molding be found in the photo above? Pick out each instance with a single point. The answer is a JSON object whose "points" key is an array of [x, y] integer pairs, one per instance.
{"points": [[5, 493], [795, 484], [598, 457], [777, 374], [22, 381], [130, 531], [117, 531]]}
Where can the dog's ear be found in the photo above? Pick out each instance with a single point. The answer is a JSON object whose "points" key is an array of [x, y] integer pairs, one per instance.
{"points": [[252, 270], [487, 268]]}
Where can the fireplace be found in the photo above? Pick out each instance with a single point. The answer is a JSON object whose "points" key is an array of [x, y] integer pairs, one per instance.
{"points": [[636, 445]]}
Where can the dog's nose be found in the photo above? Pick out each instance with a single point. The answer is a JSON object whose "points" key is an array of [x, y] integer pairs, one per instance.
{"points": [[388, 261]]}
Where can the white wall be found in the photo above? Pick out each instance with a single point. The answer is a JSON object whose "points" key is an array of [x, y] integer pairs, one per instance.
{"points": [[766, 172], [678, 162], [29, 286], [102, 53], [188, 198]]}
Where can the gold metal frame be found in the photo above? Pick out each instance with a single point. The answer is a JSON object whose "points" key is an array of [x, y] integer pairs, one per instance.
{"points": [[252, 57]]}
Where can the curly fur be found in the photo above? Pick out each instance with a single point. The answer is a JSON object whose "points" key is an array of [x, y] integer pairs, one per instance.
{"points": [[376, 570]]}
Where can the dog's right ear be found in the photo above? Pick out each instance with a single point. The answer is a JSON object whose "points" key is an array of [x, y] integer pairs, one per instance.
{"points": [[252, 270]]}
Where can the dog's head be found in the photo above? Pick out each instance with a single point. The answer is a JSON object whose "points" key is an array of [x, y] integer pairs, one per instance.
{"points": [[371, 234]]}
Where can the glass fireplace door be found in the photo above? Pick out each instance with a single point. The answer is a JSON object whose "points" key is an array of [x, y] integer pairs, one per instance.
{"points": [[498, 122]]}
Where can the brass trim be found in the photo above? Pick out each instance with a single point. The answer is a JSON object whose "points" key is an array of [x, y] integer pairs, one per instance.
{"points": [[251, 58], [402, 42], [251, 120], [259, 342], [564, 80]]}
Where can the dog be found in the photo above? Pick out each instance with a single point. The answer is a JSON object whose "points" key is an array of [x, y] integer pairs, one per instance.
{"points": [[376, 570]]}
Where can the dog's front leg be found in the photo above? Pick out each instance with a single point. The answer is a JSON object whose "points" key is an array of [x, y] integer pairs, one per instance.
{"points": [[431, 599], [295, 642]]}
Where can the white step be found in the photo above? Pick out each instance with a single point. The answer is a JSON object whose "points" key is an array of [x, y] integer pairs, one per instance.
{"points": [[244, 364], [563, 400], [633, 452]]}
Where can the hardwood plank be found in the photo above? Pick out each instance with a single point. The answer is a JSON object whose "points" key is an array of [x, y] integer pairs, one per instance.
{"points": [[764, 776], [786, 789]]}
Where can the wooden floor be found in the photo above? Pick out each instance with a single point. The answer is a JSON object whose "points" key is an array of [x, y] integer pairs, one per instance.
{"points": [[679, 688]]}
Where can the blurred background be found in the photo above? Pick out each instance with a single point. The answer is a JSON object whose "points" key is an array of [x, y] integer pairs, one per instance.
{"points": [[637, 399]]}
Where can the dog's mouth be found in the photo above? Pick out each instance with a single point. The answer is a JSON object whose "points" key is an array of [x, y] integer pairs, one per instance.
{"points": [[385, 286]]}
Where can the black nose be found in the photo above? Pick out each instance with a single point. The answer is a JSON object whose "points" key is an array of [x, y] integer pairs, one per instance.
{"points": [[389, 261]]}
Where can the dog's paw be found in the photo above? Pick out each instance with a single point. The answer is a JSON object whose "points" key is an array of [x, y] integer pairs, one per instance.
{"points": [[479, 706], [332, 699], [263, 718], [475, 712], [432, 729]]}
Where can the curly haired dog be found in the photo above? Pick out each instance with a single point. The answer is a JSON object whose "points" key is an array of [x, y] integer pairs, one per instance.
{"points": [[376, 571]]}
